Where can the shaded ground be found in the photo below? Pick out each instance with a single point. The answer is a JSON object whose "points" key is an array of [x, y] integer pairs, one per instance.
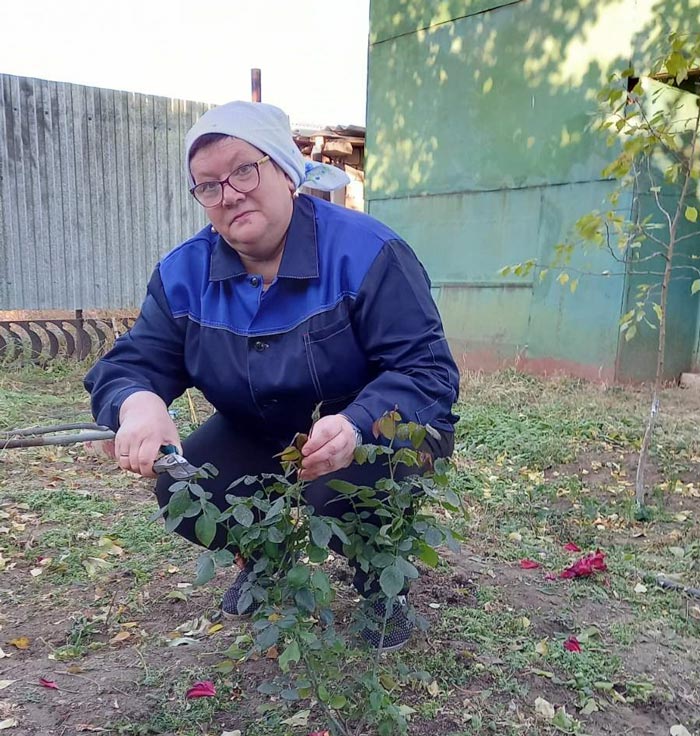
{"points": [[99, 600]]}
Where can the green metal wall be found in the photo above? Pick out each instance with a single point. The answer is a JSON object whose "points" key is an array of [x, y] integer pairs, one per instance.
{"points": [[478, 154]]}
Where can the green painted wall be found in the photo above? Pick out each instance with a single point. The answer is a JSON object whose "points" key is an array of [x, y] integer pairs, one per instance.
{"points": [[478, 155]]}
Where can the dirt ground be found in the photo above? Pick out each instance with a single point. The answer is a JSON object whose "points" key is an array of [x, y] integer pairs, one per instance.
{"points": [[99, 602]]}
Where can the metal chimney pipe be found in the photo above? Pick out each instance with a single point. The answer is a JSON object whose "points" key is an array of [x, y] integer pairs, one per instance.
{"points": [[255, 85]]}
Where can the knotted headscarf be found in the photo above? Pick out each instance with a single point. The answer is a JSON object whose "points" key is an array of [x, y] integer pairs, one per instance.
{"points": [[266, 127]]}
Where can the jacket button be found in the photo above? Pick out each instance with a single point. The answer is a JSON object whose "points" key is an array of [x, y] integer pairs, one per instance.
{"points": [[254, 281], [260, 346]]}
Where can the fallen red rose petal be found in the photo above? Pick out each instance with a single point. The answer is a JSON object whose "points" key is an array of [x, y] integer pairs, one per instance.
{"points": [[320, 733], [571, 547], [586, 566], [572, 644], [204, 689], [48, 683], [529, 564], [550, 576]]}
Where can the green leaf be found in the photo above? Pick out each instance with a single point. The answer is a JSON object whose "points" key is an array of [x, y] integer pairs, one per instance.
{"points": [[391, 581], [428, 555], [342, 486], [224, 558], [179, 502], [305, 599], [276, 508], [382, 559], [338, 701], [269, 688], [321, 533], [691, 214], [205, 529], [243, 515], [275, 535], [289, 655], [268, 637], [361, 456], [407, 569], [630, 333], [658, 311], [205, 569], [298, 576], [387, 427], [695, 286], [320, 580], [342, 536], [317, 555]]}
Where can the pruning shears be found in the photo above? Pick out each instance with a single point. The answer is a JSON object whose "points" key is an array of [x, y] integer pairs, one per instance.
{"points": [[170, 461]]}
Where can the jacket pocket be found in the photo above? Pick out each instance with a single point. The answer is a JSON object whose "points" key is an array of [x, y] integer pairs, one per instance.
{"points": [[336, 360]]}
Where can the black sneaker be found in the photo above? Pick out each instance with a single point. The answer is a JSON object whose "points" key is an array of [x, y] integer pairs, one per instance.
{"points": [[229, 603], [398, 626]]}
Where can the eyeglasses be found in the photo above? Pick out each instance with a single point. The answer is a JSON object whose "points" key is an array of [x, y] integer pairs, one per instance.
{"points": [[243, 180]]}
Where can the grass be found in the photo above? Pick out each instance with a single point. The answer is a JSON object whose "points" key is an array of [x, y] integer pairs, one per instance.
{"points": [[539, 463]]}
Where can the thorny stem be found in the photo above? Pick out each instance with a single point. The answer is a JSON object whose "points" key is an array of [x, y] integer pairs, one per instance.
{"points": [[661, 352], [337, 724]]}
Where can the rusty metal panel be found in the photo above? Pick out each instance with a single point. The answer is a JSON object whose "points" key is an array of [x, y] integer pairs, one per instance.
{"points": [[92, 192]]}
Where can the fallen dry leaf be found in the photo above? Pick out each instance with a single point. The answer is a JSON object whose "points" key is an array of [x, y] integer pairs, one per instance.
{"points": [[640, 588], [542, 647], [21, 642], [202, 689], [434, 688], [36, 571], [4, 654], [214, 628], [6, 683], [121, 636], [544, 709], [82, 727], [679, 730], [8, 723]]}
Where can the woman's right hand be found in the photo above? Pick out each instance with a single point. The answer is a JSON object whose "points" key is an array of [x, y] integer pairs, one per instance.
{"points": [[144, 425]]}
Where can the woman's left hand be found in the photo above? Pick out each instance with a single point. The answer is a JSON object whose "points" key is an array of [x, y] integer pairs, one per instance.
{"points": [[330, 447]]}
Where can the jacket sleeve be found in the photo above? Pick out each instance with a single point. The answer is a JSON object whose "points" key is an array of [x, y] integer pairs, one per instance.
{"points": [[398, 324], [150, 357]]}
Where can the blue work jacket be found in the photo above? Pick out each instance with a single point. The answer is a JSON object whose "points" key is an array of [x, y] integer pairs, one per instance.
{"points": [[349, 322]]}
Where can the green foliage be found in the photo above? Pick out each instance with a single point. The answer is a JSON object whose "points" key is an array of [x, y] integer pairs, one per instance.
{"points": [[270, 522]]}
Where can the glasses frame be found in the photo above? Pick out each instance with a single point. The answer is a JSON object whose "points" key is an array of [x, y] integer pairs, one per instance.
{"points": [[227, 180]]}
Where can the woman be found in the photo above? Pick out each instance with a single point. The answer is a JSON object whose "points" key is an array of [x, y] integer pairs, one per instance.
{"points": [[284, 302]]}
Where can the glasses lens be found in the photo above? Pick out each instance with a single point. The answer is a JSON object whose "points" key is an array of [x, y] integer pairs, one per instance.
{"points": [[208, 193], [245, 178]]}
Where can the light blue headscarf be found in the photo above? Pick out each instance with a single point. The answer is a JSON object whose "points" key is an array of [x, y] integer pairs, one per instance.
{"points": [[266, 127]]}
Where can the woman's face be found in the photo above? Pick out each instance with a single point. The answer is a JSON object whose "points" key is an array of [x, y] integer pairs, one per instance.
{"points": [[254, 224]]}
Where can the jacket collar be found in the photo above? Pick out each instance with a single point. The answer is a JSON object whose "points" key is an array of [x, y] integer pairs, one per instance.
{"points": [[300, 257]]}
